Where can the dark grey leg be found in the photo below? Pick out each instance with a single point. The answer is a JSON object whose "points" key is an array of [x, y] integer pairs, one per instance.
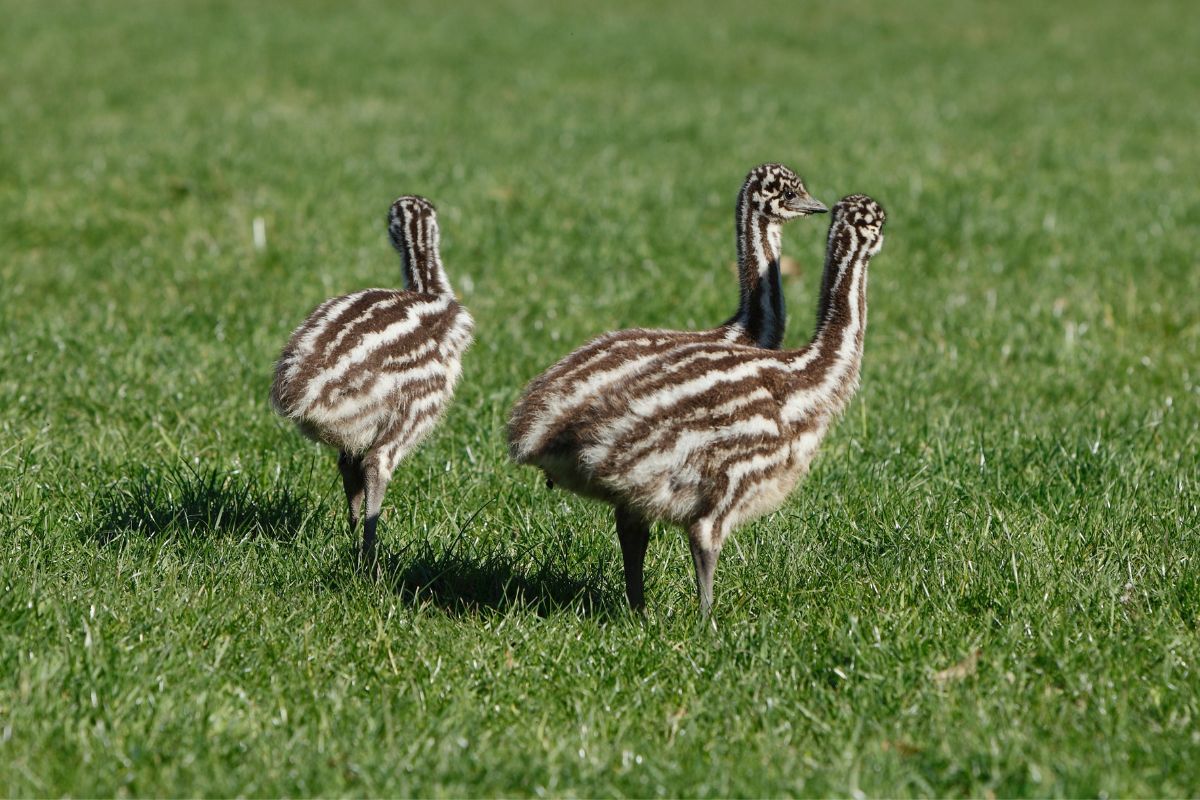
{"points": [[634, 534], [354, 484], [704, 556], [376, 482]]}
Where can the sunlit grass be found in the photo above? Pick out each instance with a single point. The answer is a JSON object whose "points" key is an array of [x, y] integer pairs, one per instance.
{"points": [[988, 584]]}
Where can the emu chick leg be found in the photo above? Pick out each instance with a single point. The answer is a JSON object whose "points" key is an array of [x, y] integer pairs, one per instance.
{"points": [[354, 484], [704, 557], [376, 479], [634, 534]]}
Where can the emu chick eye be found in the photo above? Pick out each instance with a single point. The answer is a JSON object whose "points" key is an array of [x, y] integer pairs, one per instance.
{"points": [[789, 195]]}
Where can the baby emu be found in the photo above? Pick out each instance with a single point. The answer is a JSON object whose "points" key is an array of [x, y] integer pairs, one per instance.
{"points": [[710, 435], [370, 373]]}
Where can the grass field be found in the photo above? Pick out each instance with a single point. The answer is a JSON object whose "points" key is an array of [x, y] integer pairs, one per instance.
{"points": [[989, 585]]}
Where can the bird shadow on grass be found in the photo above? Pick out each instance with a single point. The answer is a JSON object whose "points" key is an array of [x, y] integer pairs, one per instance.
{"points": [[185, 504], [189, 506], [464, 577], [466, 583]]}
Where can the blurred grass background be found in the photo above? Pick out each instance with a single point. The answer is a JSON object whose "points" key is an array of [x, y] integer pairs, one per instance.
{"points": [[1014, 490]]}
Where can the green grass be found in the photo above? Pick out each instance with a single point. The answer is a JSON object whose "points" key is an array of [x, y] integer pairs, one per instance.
{"points": [[1017, 478]]}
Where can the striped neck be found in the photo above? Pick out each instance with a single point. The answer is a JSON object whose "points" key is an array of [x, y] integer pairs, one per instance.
{"points": [[761, 312], [842, 307], [415, 235], [826, 371]]}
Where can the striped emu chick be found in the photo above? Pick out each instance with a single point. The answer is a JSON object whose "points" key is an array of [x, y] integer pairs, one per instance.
{"points": [[710, 435], [370, 373], [771, 195]]}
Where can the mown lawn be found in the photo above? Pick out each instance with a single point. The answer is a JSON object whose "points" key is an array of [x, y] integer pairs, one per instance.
{"points": [[989, 585]]}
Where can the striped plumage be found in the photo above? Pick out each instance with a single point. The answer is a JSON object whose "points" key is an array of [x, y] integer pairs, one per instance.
{"points": [[370, 373], [706, 434], [771, 195]]}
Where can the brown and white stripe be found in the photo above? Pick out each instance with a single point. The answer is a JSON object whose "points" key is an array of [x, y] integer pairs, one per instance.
{"points": [[771, 195], [370, 373], [709, 434]]}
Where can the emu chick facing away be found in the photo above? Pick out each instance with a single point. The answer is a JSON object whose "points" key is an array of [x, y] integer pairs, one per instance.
{"points": [[709, 435], [370, 373]]}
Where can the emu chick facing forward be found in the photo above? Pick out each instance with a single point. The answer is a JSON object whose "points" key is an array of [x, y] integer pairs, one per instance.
{"points": [[370, 373]]}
